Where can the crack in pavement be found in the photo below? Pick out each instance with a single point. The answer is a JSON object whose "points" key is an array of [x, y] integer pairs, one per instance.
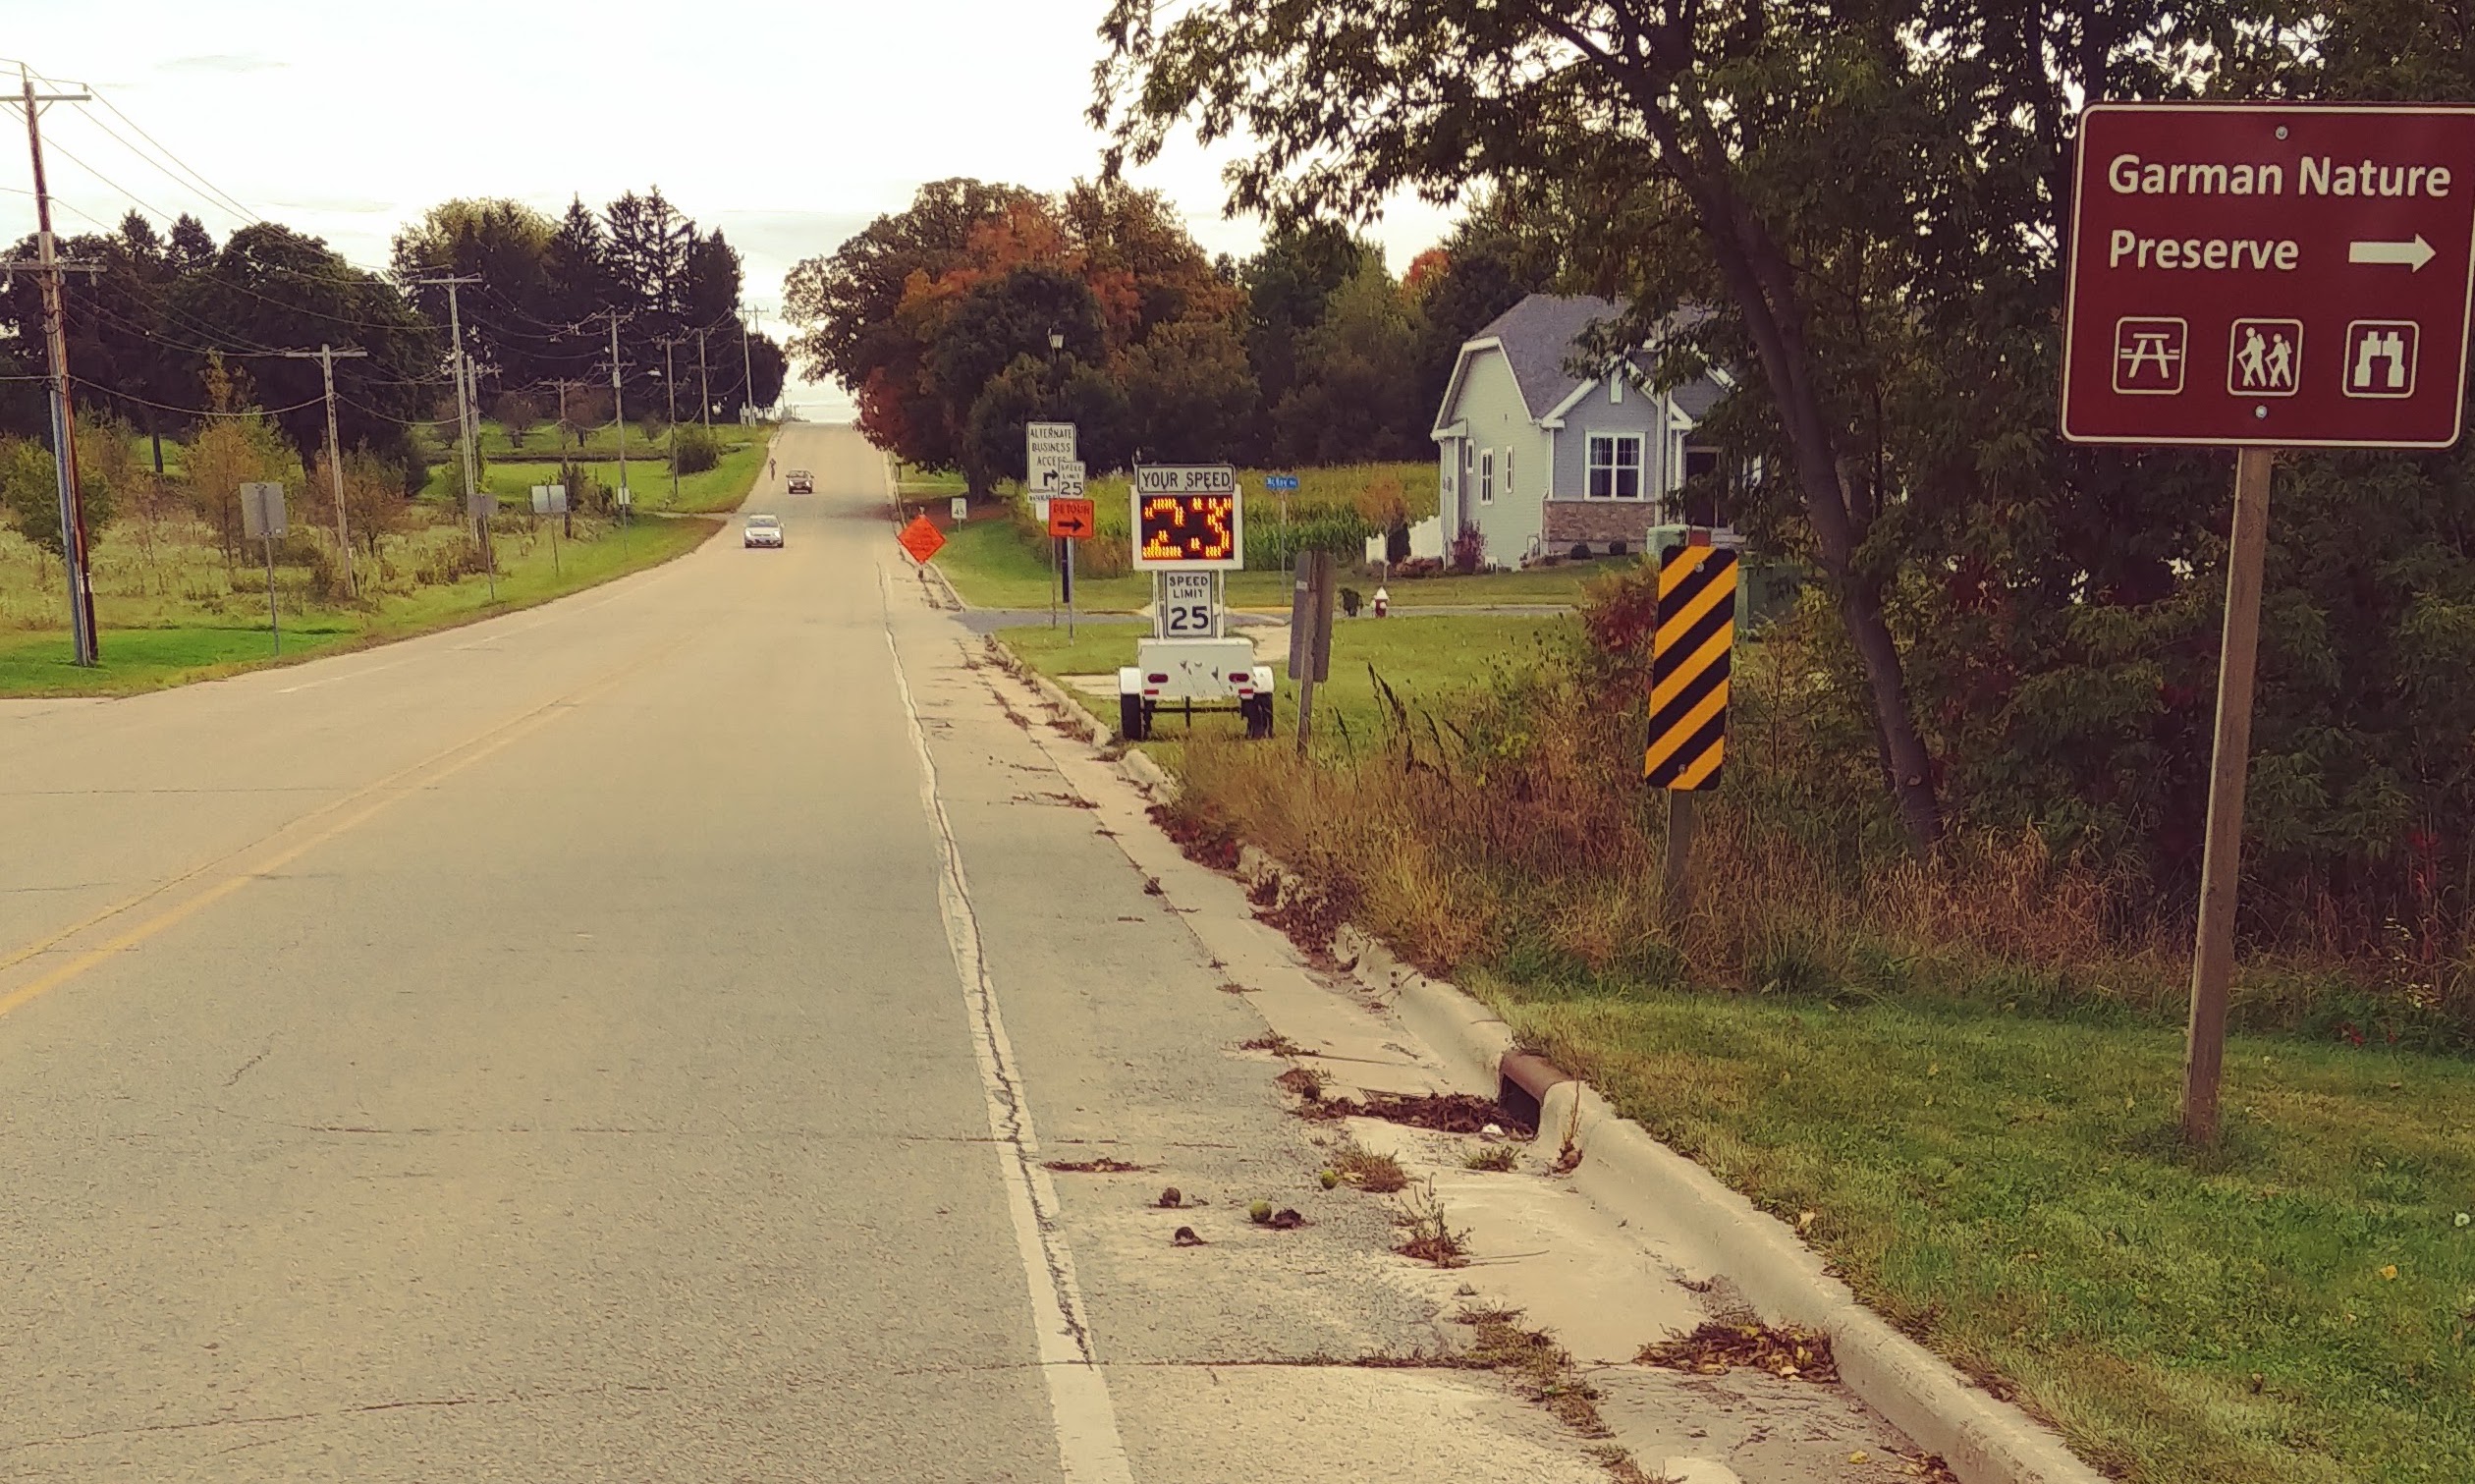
{"points": [[357, 1410]]}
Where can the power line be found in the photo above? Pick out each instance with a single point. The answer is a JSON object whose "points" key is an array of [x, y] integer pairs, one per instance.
{"points": [[192, 412], [58, 149], [211, 190]]}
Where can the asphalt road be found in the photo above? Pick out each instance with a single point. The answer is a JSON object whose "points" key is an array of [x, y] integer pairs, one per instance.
{"points": [[619, 1041]]}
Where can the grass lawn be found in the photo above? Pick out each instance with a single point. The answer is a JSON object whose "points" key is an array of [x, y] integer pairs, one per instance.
{"points": [[146, 659], [719, 488], [2296, 1308], [1421, 659], [1560, 583], [992, 567], [34, 663]]}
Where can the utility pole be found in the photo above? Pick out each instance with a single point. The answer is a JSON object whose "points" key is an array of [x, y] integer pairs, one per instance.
{"points": [[325, 356], [463, 408], [619, 415], [748, 374], [670, 400], [48, 267], [705, 382]]}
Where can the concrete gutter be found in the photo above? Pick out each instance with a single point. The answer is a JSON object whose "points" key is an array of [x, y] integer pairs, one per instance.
{"points": [[1624, 1170], [1136, 764]]}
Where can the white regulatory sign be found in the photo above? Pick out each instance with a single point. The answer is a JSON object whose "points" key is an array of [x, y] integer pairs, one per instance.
{"points": [[1187, 610], [1048, 447]]}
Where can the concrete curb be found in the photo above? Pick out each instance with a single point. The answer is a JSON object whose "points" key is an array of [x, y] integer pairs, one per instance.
{"points": [[1133, 763], [1984, 1440]]}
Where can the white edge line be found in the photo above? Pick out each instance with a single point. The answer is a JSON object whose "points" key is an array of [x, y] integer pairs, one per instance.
{"points": [[1088, 1445]]}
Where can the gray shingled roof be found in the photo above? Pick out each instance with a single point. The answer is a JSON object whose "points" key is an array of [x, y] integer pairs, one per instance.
{"points": [[1695, 398], [1538, 336]]}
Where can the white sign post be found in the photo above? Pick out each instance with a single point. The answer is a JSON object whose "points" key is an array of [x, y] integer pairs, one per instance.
{"points": [[551, 499], [1047, 449], [262, 520]]}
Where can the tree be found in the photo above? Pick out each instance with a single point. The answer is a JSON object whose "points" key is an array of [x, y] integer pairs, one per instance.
{"points": [[374, 504], [713, 281], [270, 286], [508, 317], [228, 452], [1190, 395], [994, 325], [190, 246], [1287, 287], [1774, 189], [30, 488], [580, 285], [1354, 398], [1140, 260], [519, 413], [860, 322], [765, 362], [651, 246]]}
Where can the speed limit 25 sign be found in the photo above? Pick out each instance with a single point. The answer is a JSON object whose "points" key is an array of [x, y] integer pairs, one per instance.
{"points": [[2269, 274], [1186, 608]]}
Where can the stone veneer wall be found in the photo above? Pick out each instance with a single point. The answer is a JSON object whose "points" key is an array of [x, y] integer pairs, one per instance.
{"points": [[1598, 521]]}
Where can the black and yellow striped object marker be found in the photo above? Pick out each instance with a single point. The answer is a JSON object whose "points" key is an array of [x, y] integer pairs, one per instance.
{"points": [[1689, 668]]}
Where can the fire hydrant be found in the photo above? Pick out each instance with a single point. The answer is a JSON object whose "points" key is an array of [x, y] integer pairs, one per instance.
{"points": [[1383, 602]]}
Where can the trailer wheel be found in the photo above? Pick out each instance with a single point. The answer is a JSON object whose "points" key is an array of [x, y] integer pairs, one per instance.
{"points": [[1258, 712], [1133, 718]]}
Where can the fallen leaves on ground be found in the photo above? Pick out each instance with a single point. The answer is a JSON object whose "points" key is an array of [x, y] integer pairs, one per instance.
{"points": [[1444, 1111], [1717, 1348]]}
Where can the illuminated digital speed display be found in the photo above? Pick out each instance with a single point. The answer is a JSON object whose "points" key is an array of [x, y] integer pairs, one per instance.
{"points": [[1188, 518]]}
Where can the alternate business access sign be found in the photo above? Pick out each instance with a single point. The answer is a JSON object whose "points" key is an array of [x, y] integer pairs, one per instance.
{"points": [[2280, 274]]}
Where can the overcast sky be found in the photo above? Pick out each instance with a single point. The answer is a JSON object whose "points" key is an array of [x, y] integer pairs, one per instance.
{"points": [[787, 125]]}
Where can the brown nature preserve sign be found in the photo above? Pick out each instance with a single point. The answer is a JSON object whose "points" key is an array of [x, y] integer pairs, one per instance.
{"points": [[2286, 275]]}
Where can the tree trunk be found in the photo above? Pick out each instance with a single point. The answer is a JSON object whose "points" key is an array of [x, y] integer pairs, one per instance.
{"points": [[1765, 291]]}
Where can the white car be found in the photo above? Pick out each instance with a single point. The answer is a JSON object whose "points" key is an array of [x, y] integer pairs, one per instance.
{"points": [[802, 483], [761, 531]]}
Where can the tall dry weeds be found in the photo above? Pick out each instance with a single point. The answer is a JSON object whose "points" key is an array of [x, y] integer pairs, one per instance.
{"points": [[1509, 827]]}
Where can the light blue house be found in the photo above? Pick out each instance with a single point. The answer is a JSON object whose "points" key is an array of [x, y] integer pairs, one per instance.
{"points": [[1542, 460]]}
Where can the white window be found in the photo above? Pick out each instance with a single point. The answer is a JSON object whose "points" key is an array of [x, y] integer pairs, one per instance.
{"points": [[1615, 466], [1616, 386], [1510, 489], [1486, 476]]}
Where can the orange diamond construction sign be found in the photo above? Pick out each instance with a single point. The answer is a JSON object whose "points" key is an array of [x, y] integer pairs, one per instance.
{"points": [[921, 539]]}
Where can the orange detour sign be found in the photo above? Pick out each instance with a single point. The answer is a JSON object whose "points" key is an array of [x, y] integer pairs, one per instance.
{"points": [[921, 539], [1073, 519]]}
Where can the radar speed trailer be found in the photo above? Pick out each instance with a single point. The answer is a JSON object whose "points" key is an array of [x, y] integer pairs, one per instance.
{"points": [[1188, 524]]}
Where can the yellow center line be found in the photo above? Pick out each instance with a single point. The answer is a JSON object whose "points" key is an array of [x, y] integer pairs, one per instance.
{"points": [[378, 795]]}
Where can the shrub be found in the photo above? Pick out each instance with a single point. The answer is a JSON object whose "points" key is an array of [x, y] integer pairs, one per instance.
{"points": [[1469, 549], [1617, 548], [1418, 566], [1582, 550], [1273, 544], [696, 448]]}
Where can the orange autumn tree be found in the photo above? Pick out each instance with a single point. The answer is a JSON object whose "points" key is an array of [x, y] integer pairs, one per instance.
{"points": [[940, 318]]}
